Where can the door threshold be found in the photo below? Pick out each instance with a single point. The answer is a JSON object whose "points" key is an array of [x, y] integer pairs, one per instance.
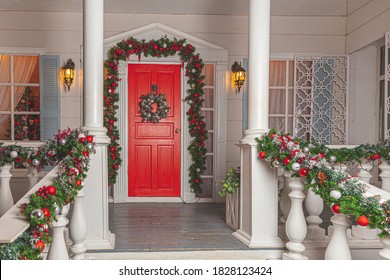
{"points": [[155, 199]]}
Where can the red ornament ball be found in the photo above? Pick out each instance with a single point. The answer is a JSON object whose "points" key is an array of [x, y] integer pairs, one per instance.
{"points": [[40, 245], [112, 121], [286, 161], [116, 166], [78, 183], [46, 212], [376, 156], [336, 208], [112, 149], [82, 140], [303, 172], [89, 138], [262, 154], [51, 190], [272, 135], [196, 181], [363, 221]]}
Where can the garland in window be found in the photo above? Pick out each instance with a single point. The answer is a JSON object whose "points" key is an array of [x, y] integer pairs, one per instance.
{"points": [[162, 47]]}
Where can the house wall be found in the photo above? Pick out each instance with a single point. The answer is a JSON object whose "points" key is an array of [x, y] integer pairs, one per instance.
{"points": [[367, 24], [61, 34]]}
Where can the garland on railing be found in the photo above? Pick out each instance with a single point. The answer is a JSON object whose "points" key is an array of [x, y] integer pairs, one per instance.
{"points": [[70, 149], [343, 193], [163, 47]]}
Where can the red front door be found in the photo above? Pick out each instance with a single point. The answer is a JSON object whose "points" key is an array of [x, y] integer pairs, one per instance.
{"points": [[154, 149]]}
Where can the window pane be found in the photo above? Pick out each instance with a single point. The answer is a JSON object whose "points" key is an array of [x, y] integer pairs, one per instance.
{"points": [[26, 69], [290, 126], [277, 101], [381, 109], [209, 120], [208, 98], [290, 101], [207, 188], [291, 73], [5, 127], [209, 165], [27, 127], [5, 98], [277, 73], [382, 61], [5, 69], [277, 123], [26, 99], [208, 72], [209, 143]]}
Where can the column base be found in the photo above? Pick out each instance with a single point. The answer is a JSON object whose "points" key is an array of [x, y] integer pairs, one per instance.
{"points": [[251, 134], [292, 256], [101, 244], [258, 242]]}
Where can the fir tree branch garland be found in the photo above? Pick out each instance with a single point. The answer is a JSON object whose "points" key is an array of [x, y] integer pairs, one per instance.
{"points": [[343, 193], [163, 47], [70, 150]]}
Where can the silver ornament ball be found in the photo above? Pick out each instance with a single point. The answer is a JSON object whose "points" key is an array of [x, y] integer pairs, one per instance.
{"points": [[332, 159], [197, 170], [37, 213], [306, 150], [335, 194], [296, 166], [35, 162], [57, 209], [275, 163], [90, 146], [62, 142], [13, 154]]}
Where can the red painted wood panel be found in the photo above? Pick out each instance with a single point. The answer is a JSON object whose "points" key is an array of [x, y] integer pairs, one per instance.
{"points": [[154, 149]]}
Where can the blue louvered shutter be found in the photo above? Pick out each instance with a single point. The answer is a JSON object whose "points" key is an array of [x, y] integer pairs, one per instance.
{"points": [[49, 96]]}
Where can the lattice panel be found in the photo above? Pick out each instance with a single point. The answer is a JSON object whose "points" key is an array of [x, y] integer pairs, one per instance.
{"points": [[387, 87], [320, 98]]}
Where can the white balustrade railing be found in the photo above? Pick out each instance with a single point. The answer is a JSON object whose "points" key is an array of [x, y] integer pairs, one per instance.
{"points": [[314, 206], [32, 175], [385, 175], [78, 228], [285, 200], [364, 172], [58, 250], [296, 228], [338, 248], [6, 198]]}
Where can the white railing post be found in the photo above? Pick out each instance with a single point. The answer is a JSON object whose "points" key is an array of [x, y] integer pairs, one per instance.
{"points": [[385, 175], [296, 228], [6, 199], [314, 206], [364, 172], [338, 248], [385, 252], [58, 250], [78, 228], [285, 201], [32, 175]]}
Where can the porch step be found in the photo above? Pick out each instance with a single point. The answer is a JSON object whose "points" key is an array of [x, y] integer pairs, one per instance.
{"points": [[189, 255]]}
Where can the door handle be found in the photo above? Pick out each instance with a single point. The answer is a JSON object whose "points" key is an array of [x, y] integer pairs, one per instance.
{"points": [[177, 130]]}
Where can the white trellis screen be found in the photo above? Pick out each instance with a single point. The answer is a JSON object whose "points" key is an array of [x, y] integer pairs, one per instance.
{"points": [[386, 120], [320, 98]]}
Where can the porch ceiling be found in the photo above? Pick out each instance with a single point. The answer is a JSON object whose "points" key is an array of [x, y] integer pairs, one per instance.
{"points": [[208, 7]]}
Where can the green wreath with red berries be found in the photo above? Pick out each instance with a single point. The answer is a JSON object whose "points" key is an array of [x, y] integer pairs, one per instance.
{"points": [[193, 64]]}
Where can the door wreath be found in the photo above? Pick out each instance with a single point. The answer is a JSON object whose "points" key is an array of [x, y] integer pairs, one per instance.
{"points": [[148, 114]]}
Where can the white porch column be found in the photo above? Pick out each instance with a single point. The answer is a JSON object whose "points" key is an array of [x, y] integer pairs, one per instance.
{"points": [[96, 184], [258, 197]]}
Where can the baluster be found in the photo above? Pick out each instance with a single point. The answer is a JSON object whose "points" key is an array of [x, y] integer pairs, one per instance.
{"points": [[338, 248], [32, 175], [285, 201], [385, 175], [364, 172], [78, 228], [385, 252], [6, 199], [58, 249], [296, 227], [314, 207]]}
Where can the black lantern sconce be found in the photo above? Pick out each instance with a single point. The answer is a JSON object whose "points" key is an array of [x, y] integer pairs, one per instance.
{"points": [[68, 72], [238, 75]]}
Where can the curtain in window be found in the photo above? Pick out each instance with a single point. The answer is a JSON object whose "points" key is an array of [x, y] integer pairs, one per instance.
{"points": [[23, 69]]}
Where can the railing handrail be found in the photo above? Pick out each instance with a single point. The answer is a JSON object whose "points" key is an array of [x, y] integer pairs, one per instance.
{"points": [[24, 144], [13, 223], [374, 191]]}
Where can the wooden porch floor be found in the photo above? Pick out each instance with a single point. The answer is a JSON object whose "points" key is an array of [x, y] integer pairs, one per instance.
{"points": [[154, 227]]}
